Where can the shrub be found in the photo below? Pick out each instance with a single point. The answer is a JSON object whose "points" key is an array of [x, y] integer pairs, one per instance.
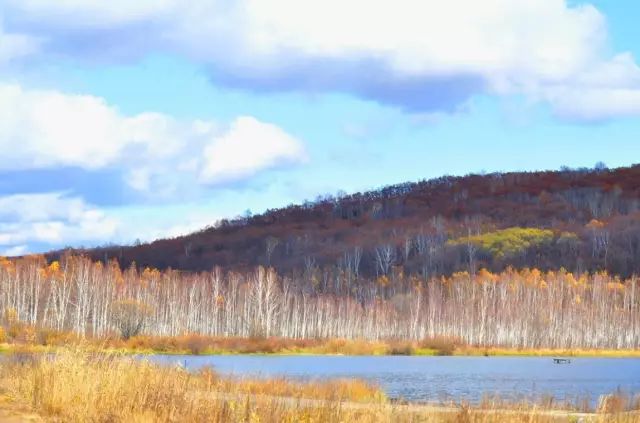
{"points": [[195, 344], [401, 348], [130, 316], [11, 323], [443, 345], [27, 335], [46, 336]]}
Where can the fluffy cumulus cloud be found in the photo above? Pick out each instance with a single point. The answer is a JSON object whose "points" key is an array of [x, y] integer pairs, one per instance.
{"points": [[49, 128], [49, 219], [43, 221], [40, 129], [247, 146], [158, 158], [422, 55], [607, 90]]}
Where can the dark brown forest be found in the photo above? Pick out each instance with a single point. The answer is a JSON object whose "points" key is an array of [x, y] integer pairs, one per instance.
{"points": [[580, 220]]}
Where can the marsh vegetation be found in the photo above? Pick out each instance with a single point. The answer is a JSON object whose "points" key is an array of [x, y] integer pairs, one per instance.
{"points": [[77, 386]]}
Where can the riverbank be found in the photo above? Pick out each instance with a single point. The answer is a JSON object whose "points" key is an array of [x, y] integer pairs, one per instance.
{"points": [[546, 352], [79, 386], [206, 345]]}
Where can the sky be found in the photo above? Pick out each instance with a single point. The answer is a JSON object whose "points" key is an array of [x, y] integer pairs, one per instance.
{"points": [[124, 121]]}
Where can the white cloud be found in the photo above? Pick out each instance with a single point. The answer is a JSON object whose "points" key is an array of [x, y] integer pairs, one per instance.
{"points": [[189, 223], [51, 218], [18, 250], [94, 13], [417, 37], [593, 104], [14, 46], [44, 129], [248, 146], [607, 90], [49, 128], [544, 37], [424, 55], [139, 179], [44, 221]]}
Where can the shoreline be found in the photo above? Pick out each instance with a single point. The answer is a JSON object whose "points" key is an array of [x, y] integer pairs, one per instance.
{"points": [[7, 348]]}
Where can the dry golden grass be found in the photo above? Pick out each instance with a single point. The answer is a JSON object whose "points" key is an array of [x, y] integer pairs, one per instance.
{"points": [[19, 336], [78, 386], [545, 352]]}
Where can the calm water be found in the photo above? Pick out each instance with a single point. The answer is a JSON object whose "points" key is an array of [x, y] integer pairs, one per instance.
{"points": [[441, 378]]}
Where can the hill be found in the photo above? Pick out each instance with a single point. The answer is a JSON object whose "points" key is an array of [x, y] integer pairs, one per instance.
{"points": [[581, 220]]}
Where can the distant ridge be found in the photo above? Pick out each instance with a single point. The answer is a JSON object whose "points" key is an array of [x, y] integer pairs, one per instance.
{"points": [[438, 226]]}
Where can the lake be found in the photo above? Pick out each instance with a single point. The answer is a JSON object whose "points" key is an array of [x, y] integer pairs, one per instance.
{"points": [[429, 379]]}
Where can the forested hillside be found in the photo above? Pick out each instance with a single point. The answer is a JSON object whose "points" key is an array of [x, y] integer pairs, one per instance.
{"points": [[580, 220]]}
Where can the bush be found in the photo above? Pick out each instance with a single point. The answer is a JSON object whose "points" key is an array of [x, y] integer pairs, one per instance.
{"points": [[195, 344], [11, 323], [27, 335], [443, 345], [46, 336], [130, 317], [401, 348]]}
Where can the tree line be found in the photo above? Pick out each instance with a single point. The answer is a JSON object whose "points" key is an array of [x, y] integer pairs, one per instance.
{"points": [[515, 308]]}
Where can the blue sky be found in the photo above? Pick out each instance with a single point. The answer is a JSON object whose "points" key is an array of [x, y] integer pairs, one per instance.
{"points": [[121, 122]]}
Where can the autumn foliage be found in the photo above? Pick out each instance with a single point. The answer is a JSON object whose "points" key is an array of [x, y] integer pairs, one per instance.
{"points": [[525, 308], [583, 220]]}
